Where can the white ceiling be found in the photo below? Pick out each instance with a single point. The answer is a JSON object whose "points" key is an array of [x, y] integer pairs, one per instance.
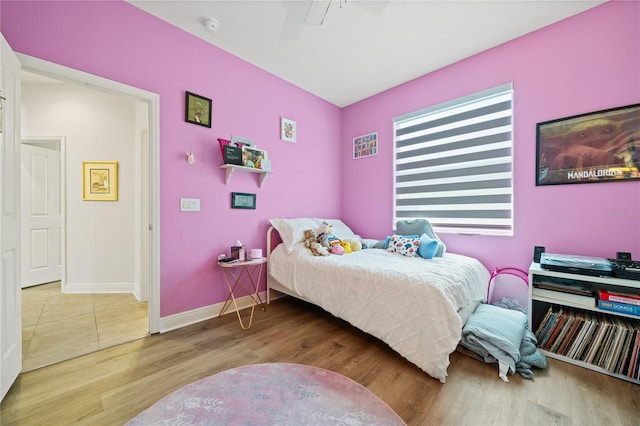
{"points": [[363, 47]]}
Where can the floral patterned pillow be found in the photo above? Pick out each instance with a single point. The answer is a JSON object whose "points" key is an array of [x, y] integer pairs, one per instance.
{"points": [[404, 245]]}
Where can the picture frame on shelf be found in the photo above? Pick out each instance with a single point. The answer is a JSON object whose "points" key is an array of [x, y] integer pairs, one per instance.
{"points": [[365, 145], [198, 110], [232, 155], [242, 200], [100, 181], [287, 130], [252, 157]]}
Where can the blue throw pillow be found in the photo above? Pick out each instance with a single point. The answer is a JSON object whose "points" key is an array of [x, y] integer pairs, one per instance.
{"points": [[386, 242], [428, 247]]}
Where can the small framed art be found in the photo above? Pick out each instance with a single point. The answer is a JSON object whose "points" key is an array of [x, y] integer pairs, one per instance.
{"points": [[198, 110], [241, 200], [365, 145], [287, 130], [100, 181]]}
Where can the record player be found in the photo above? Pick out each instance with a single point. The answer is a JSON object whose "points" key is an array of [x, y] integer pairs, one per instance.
{"points": [[573, 264]]}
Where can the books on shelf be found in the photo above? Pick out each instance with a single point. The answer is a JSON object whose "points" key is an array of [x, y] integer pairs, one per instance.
{"points": [[623, 308], [614, 296]]}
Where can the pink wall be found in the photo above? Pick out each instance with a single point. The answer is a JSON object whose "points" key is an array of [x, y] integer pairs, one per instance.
{"points": [[586, 63], [118, 41]]}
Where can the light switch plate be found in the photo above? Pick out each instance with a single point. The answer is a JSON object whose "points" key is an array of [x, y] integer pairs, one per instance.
{"points": [[190, 204]]}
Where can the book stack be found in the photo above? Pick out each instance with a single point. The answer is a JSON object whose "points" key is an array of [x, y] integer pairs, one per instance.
{"points": [[619, 302], [607, 341]]}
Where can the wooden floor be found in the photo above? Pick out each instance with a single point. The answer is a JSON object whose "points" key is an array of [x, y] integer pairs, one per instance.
{"points": [[58, 326], [111, 386]]}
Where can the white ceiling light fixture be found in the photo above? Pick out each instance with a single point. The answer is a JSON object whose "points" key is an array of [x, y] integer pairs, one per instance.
{"points": [[211, 24]]}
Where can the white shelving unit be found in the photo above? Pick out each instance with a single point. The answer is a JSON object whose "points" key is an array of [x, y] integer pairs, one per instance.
{"points": [[541, 299], [230, 168]]}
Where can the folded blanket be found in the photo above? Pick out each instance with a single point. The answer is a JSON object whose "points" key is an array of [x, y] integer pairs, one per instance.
{"points": [[530, 356], [495, 334]]}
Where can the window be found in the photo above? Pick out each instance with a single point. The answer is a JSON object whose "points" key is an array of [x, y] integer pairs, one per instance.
{"points": [[452, 164]]}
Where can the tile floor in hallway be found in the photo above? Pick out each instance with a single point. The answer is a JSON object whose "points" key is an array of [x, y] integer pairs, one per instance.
{"points": [[57, 326]]}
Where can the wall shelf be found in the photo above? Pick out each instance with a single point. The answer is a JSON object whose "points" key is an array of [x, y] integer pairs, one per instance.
{"points": [[230, 168]]}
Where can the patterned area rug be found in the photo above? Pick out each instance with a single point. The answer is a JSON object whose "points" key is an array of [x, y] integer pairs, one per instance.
{"points": [[271, 394]]}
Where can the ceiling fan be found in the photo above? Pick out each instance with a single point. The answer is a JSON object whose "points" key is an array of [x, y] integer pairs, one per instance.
{"points": [[317, 11]]}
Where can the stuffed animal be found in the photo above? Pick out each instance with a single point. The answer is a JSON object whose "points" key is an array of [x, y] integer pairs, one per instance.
{"points": [[326, 237], [324, 232], [337, 249], [346, 245], [355, 245], [311, 242]]}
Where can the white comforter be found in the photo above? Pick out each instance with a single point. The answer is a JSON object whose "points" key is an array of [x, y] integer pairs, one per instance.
{"points": [[409, 303]]}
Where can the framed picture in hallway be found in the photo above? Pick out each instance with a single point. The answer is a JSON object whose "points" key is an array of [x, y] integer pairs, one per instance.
{"points": [[100, 181]]}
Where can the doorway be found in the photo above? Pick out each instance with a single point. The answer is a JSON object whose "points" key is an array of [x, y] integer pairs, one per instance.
{"points": [[42, 210], [109, 301]]}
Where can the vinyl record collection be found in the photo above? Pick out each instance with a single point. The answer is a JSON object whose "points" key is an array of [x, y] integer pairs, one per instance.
{"points": [[608, 341]]}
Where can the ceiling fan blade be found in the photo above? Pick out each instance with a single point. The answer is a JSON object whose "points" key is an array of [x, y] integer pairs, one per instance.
{"points": [[317, 12]]}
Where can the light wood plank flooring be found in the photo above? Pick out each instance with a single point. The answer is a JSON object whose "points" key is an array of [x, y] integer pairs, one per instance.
{"points": [[111, 386], [57, 326]]}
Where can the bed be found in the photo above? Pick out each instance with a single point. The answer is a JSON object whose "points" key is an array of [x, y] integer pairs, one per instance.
{"points": [[417, 306]]}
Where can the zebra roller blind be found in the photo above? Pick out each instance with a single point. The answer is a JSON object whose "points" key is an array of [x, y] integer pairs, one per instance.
{"points": [[453, 164]]}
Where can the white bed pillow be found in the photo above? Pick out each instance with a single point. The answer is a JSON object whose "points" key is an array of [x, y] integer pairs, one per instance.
{"points": [[292, 230]]}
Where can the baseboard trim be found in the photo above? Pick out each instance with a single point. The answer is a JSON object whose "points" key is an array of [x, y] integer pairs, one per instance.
{"points": [[99, 288], [183, 319]]}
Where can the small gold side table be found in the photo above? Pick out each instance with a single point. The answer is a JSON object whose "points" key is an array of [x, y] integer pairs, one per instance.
{"points": [[237, 275]]}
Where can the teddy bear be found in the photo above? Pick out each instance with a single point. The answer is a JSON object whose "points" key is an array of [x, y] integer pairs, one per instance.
{"points": [[311, 242]]}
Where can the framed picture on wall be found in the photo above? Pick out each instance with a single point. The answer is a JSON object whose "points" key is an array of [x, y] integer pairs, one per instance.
{"points": [[287, 130], [600, 146], [365, 145], [198, 110], [240, 200], [100, 181]]}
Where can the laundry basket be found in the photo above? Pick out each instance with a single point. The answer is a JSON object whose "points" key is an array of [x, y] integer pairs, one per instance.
{"points": [[509, 283]]}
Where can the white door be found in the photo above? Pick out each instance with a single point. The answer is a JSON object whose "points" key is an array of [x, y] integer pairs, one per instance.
{"points": [[10, 297], [41, 214]]}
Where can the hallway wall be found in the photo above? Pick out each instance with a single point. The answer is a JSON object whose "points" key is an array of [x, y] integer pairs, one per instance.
{"points": [[100, 235]]}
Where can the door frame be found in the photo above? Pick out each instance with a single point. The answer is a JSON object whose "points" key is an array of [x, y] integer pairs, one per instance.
{"points": [[45, 140], [70, 75]]}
